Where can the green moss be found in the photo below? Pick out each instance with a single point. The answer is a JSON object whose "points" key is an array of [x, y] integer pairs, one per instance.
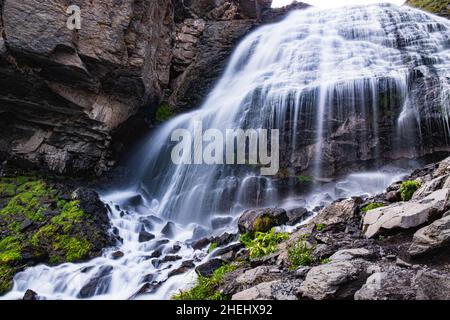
{"points": [[6, 276], [206, 288], [263, 223], [163, 113], [67, 248], [433, 6], [320, 226], [46, 233], [7, 189], [408, 188], [29, 200], [263, 243], [14, 227], [75, 249], [58, 237], [305, 179], [300, 254], [70, 215], [371, 206], [10, 250]]}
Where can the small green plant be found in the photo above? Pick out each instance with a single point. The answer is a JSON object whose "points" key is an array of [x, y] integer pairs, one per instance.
{"points": [[407, 189], [371, 206], [305, 179], [163, 113], [213, 246], [263, 243], [325, 260], [206, 288], [320, 226], [300, 254]]}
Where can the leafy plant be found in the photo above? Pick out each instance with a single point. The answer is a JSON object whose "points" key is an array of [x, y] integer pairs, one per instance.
{"points": [[206, 288], [263, 243], [408, 188], [320, 226], [371, 206], [300, 254]]}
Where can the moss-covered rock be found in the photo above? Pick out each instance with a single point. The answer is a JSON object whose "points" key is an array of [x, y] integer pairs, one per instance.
{"points": [[440, 7], [261, 220], [43, 222]]}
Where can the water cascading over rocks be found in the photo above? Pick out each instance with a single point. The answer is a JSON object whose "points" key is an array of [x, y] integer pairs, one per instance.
{"points": [[345, 87]]}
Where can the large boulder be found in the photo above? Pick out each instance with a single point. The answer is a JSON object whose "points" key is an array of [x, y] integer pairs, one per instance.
{"points": [[207, 269], [406, 215], [431, 237], [338, 212], [396, 283], [335, 280], [393, 284], [273, 290], [433, 285], [261, 220]]}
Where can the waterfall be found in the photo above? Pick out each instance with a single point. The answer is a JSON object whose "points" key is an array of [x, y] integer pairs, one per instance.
{"points": [[345, 85]]}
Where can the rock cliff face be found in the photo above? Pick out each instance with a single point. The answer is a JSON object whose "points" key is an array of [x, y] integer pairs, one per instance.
{"points": [[70, 98], [64, 92]]}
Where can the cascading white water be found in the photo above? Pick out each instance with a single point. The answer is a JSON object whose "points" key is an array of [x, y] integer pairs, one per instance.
{"points": [[303, 75]]}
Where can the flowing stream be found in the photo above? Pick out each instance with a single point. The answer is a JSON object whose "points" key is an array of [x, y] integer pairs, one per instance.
{"points": [[301, 75]]}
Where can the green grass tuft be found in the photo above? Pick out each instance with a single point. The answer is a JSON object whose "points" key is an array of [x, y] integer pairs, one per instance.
{"points": [[300, 254], [408, 188], [206, 288], [371, 206]]}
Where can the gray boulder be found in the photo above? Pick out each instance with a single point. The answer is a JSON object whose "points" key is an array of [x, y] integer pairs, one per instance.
{"points": [[393, 284], [431, 237], [405, 215], [337, 212], [335, 280]]}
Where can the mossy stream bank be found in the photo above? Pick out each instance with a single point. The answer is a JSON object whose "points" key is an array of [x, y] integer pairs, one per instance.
{"points": [[45, 221]]}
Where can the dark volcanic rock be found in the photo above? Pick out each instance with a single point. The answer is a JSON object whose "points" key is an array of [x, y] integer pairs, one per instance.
{"points": [[145, 236], [200, 244], [220, 222], [30, 295], [98, 284], [207, 269], [185, 267], [169, 230], [296, 215]]}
